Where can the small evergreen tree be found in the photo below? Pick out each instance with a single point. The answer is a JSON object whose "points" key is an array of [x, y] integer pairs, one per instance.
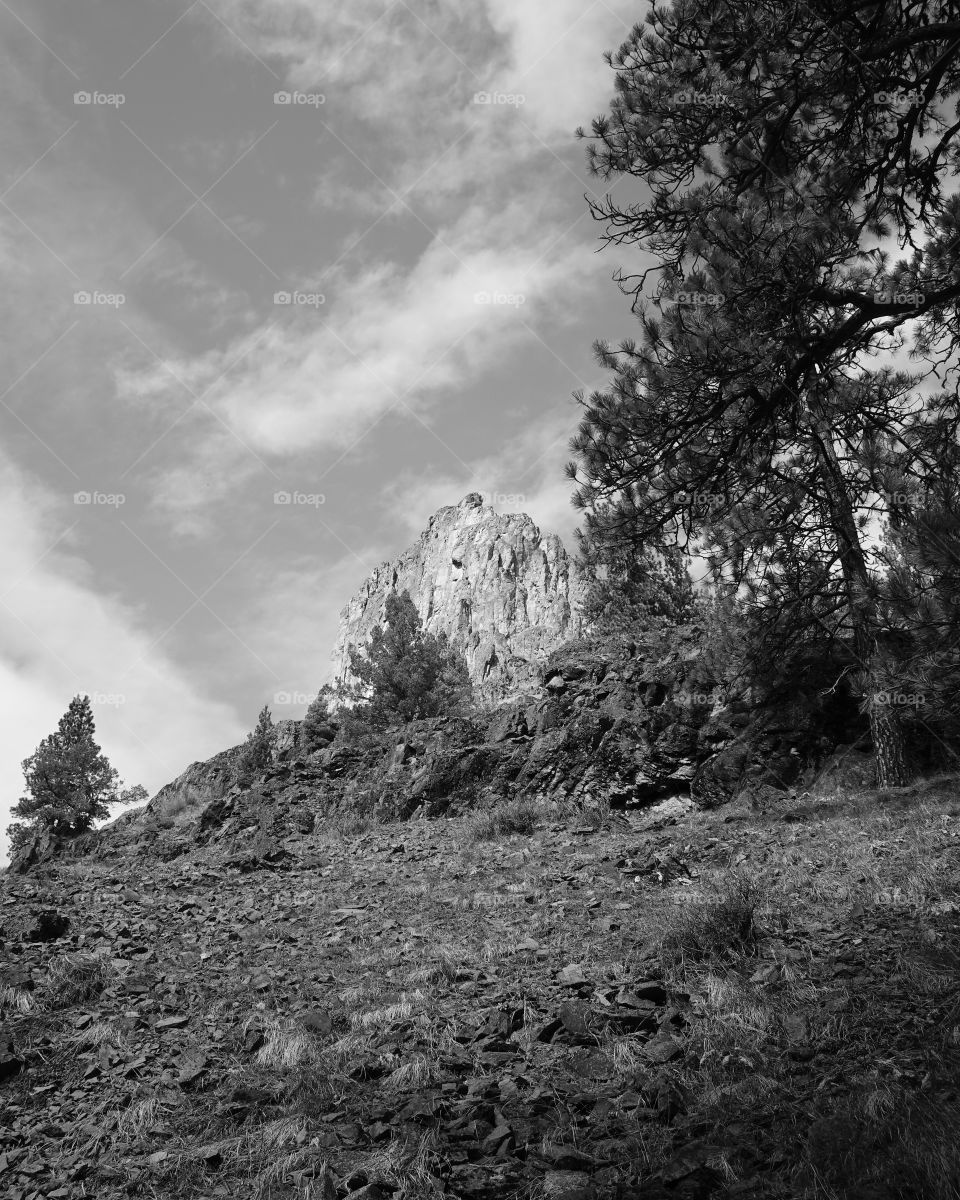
{"points": [[257, 751], [407, 674], [316, 728], [70, 784]]}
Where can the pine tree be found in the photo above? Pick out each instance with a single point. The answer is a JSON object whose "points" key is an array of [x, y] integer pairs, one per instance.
{"points": [[316, 728], [744, 423], [633, 589], [257, 751], [70, 783], [920, 601], [406, 674]]}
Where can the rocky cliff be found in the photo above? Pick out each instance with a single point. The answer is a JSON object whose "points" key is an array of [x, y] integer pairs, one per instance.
{"points": [[503, 593]]}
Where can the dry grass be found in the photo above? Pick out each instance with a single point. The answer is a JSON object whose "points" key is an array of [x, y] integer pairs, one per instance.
{"points": [[344, 826], [286, 1045], [515, 816], [149, 1115], [98, 1033], [15, 999], [886, 1138], [714, 929], [183, 800], [74, 979]]}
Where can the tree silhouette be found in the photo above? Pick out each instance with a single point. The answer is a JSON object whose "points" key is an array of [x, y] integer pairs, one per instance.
{"points": [[70, 784], [778, 144]]}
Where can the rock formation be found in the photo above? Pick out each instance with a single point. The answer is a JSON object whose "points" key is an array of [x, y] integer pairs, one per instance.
{"points": [[503, 593]]}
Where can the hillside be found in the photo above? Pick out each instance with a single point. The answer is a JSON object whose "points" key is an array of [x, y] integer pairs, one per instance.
{"points": [[662, 1003], [629, 933]]}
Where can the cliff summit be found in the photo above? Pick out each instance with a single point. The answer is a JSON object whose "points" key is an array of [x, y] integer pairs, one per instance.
{"points": [[504, 593]]}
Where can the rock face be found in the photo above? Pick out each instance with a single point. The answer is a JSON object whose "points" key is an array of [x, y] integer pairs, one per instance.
{"points": [[625, 730], [503, 593]]}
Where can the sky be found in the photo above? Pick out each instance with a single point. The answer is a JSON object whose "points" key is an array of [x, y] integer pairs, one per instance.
{"points": [[281, 278]]}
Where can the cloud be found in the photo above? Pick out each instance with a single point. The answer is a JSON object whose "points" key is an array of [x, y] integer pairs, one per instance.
{"points": [[440, 56], [60, 636], [392, 341], [524, 476], [556, 58]]}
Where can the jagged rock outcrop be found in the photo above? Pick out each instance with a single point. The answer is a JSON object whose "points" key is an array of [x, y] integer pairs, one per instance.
{"points": [[505, 594]]}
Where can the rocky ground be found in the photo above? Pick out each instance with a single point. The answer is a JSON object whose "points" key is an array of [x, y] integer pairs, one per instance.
{"points": [[522, 1002]]}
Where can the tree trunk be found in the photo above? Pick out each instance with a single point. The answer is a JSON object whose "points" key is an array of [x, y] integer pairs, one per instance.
{"points": [[886, 728]]}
